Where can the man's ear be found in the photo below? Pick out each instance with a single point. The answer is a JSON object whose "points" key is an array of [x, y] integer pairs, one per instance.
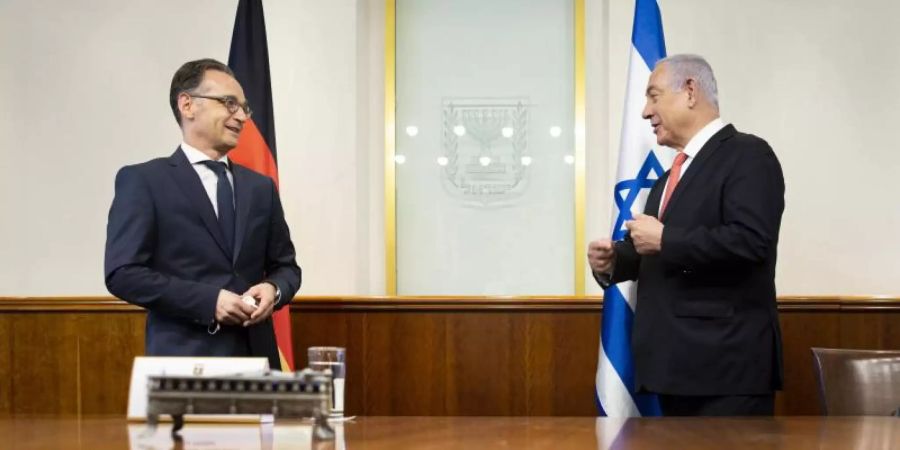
{"points": [[690, 86], [185, 106]]}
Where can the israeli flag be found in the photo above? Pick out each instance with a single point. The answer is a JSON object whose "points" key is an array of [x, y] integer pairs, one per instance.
{"points": [[641, 162]]}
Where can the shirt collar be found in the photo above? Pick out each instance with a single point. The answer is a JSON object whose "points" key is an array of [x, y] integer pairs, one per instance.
{"points": [[195, 156], [703, 136]]}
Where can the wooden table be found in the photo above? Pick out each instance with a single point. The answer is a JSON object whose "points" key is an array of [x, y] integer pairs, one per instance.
{"points": [[27, 432]]}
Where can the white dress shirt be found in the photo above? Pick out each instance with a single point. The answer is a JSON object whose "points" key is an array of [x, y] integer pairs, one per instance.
{"points": [[209, 178], [210, 183], [693, 147]]}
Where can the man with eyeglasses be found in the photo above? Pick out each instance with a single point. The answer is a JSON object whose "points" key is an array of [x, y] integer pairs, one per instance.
{"points": [[197, 240]]}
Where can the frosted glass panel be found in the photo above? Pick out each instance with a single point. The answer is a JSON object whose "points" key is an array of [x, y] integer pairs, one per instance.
{"points": [[485, 147]]}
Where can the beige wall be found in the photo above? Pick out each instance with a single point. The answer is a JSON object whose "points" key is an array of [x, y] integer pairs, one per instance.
{"points": [[83, 91]]}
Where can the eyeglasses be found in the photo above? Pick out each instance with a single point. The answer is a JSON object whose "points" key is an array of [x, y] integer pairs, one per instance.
{"points": [[230, 102]]}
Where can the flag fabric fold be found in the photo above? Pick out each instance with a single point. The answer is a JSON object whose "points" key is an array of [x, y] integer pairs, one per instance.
{"points": [[249, 60], [640, 163]]}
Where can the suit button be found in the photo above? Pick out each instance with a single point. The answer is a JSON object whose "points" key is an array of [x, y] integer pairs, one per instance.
{"points": [[687, 272]]}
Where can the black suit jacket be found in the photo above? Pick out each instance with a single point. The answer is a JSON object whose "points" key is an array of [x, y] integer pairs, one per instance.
{"points": [[165, 252], [706, 321]]}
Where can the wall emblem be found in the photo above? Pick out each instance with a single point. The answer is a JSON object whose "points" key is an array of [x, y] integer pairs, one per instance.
{"points": [[485, 146]]}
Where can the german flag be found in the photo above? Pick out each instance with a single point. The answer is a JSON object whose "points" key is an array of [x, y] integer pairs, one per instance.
{"points": [[249, 59]]}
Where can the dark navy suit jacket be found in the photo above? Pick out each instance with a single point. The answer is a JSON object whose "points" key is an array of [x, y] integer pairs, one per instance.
{"points": [[706, 321], [165, 252]]}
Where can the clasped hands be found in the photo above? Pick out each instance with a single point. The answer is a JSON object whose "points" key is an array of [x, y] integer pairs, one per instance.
{"points": [[252, 307], [646, 235]]}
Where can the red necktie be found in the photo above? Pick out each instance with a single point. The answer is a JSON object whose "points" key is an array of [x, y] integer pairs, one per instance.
{"points": [[674, 176]]}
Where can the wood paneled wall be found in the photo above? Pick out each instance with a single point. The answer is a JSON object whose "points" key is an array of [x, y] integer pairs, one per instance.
{"points": [[406, 356]]}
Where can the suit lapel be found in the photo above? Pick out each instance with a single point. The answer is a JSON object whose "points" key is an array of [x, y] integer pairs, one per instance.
{"points": [[651, 208], [697, 165], [186, 178], [242, 199]]}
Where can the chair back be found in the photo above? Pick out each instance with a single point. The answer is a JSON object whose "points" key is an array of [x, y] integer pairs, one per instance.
{"points": [[858, 382]]}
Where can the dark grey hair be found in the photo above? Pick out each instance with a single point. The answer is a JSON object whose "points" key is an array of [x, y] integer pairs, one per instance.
{"points": [[188, 77]]}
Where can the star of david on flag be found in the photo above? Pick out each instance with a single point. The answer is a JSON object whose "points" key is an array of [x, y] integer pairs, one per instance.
{"points": [[630, 195], [640, 164]]}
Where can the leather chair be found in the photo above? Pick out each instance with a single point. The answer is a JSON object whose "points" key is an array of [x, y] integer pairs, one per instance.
{"points": [[858, 382]]}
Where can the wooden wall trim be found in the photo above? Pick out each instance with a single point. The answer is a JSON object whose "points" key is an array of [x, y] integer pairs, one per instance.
{"points": [[65, 304], [69, 355], [444, 303], [461, 303]]}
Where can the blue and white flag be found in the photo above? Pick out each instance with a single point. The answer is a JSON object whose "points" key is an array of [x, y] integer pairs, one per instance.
{"points": [[641, 162]]}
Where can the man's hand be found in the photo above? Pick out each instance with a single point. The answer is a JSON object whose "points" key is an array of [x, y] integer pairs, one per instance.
{"points": [[646, 233], [601, 256], [231, 309], [264, 293]]}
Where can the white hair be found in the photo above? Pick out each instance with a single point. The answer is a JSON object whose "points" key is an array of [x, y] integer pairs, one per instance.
{"points": [[683, 67]]}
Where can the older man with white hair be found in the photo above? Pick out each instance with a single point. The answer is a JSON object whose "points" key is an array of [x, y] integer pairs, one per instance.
{"points": [[706, 336]]}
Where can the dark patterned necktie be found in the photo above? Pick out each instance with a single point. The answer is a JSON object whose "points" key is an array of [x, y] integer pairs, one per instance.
{"points": [[224, 201]]}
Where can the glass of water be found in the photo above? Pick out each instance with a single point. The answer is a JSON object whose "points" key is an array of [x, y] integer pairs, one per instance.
{"points": [[333, 359]]}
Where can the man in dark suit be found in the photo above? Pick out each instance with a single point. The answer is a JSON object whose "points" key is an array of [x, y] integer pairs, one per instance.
{"points": [[706, 336], [197, 240]]}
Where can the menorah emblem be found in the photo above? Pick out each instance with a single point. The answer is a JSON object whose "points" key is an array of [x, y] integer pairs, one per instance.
{"points": [[485, 144]]}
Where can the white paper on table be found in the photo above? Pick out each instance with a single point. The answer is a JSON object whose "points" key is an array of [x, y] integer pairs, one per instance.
{"points": [[220, 437], [144, 366]]}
